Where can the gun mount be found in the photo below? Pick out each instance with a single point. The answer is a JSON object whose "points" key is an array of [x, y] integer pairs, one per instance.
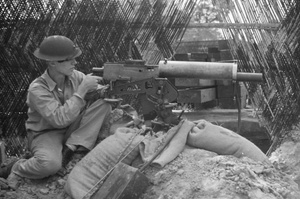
{"points": [[155, 91]]}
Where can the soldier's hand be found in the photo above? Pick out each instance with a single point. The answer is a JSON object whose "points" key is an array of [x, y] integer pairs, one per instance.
{"points": [[102, 89], [91, 82]]}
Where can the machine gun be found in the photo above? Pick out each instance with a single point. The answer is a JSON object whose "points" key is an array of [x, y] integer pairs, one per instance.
{"points": [[151, 82]]}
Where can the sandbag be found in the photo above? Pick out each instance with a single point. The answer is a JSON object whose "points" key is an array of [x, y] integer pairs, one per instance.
{"points": [[100, 160], [150, 145], [176, 145], [223, 141]]}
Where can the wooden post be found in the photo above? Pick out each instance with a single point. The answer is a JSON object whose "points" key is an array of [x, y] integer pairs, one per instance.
{"points": [[2, 152]]}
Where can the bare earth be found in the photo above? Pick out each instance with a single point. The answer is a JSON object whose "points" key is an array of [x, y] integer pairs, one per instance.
{"points": [[197, 173]]}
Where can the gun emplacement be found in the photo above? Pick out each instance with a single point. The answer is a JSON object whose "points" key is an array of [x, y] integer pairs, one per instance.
{"points": [[151, 83], [133, 70]]}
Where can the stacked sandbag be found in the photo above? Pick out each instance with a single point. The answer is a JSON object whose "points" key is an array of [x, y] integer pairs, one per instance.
{"points": [[95, 165], [222, 141], [177, 136]]}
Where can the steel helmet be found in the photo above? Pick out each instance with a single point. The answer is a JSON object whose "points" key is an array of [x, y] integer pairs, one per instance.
{"points": [[57, 48]]}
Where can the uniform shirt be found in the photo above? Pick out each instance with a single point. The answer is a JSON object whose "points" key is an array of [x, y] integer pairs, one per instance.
{"points": [[49, 107]]}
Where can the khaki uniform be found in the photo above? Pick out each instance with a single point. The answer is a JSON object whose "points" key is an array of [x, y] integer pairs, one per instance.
{"points": [[51, 112]]}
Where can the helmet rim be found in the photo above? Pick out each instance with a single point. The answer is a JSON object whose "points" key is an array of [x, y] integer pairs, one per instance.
{"points": [[39, 55]]}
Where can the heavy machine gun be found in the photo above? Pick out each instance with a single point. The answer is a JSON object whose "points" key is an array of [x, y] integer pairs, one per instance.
{"points": [[151, 82]]}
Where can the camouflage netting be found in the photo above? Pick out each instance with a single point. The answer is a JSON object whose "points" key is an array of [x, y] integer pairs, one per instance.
{"points": [[274, 52], [105, 30], [114, 30]]}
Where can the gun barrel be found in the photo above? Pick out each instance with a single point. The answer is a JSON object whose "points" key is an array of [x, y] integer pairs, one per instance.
{"points": [[204, 70], [249, 77]]}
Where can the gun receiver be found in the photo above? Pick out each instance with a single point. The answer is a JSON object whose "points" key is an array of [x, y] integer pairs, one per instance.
{"points": [[155, 90]]}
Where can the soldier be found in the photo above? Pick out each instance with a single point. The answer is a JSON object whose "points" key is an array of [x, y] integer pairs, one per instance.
{"points": [[56, 102]]}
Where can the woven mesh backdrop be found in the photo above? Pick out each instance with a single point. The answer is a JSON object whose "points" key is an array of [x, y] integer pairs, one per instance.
{"points": [[105, 30], [274, 51]]}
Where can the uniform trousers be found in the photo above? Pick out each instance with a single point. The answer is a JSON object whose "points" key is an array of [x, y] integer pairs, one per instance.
{"points": [[47, 146]]}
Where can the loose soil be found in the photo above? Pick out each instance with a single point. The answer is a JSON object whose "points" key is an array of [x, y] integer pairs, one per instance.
{"points": [[197, 173]]}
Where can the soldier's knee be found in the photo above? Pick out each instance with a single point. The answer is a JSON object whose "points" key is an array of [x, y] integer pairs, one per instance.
{"points": [[50, 167]]}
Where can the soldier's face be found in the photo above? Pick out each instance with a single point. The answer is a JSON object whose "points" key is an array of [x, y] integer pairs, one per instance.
{"points": [[66, 67]]}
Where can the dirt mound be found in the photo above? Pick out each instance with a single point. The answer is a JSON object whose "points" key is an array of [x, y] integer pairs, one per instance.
{"points": [[195, 173], [198, 173], [286, 158]]}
